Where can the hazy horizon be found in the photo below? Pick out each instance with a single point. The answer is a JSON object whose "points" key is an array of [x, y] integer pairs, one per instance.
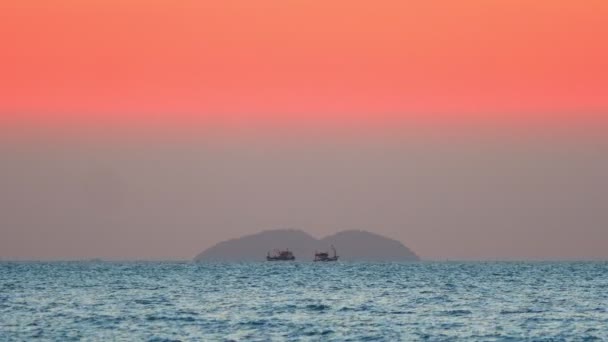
{"points": [[154, 129], [468, 197]]}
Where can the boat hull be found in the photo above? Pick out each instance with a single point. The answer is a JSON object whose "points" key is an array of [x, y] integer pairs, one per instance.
{"points": [[326, 259], [280, 259]]}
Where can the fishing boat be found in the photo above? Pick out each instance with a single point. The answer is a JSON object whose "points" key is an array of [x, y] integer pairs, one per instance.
{"points": [[280, 255], [324, 256]]}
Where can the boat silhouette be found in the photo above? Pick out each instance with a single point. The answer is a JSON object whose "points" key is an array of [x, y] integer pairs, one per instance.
{"points": [[280, 255], [324, 256]]}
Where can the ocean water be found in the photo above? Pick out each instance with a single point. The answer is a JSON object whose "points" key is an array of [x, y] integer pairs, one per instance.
{"points": [[435, 301]]}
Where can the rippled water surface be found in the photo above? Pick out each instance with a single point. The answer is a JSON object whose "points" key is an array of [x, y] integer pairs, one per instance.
{"points": [[303, 301]]}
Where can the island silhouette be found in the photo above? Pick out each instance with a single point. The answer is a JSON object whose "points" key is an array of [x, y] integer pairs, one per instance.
{"points": [[352, 245]]}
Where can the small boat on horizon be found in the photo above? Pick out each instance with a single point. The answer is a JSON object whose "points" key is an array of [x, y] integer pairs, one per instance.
{"points": [[324, 256], [280, 255]]}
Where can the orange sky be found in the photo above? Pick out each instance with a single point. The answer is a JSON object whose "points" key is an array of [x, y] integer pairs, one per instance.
{"points": [[184, 62]]}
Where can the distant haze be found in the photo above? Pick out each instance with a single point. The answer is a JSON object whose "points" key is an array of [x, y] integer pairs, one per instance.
{"points": [[134, 129], [451, 197]]}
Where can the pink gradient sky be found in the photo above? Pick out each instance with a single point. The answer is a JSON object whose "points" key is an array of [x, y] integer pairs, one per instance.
{"points": [[134, 63], [154, 129]]}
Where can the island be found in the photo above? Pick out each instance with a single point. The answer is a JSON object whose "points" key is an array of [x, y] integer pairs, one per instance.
{"points": [[352, 245]]}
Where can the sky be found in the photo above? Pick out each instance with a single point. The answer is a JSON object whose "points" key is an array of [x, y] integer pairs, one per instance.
{"points": [[153, 129]]}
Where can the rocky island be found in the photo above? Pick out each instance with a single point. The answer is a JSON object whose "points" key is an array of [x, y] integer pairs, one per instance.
{"points": [[352, 245]]}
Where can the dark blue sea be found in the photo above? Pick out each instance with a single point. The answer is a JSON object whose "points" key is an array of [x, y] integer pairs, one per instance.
{"points": [[434, 301]]}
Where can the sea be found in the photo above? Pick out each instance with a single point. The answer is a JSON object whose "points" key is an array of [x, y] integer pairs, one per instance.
{"points": [[303, 301]]}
